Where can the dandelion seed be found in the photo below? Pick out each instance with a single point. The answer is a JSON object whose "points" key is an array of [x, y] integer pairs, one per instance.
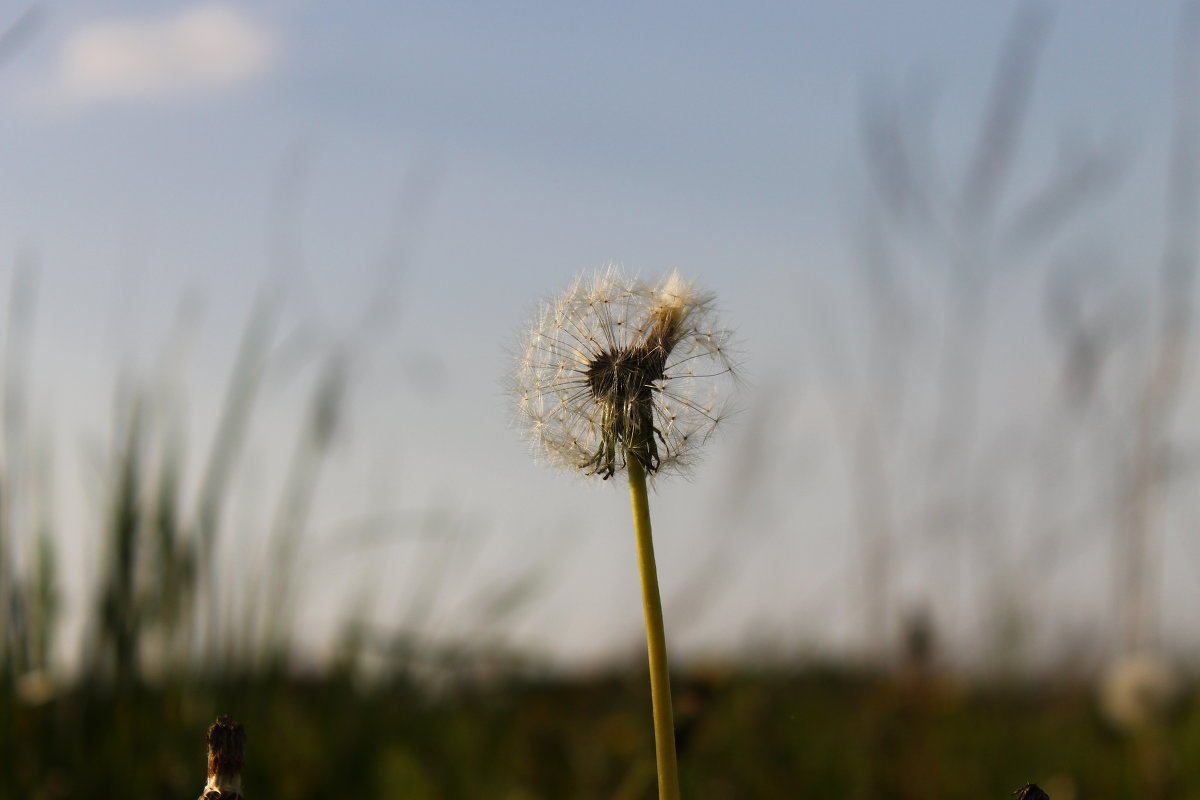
{"points": [[616, 368]]}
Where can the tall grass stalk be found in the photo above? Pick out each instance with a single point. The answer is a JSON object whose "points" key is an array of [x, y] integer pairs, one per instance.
{"points": [[240, 400]]}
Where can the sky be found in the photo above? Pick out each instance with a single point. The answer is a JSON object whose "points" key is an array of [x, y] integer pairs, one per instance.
{"points": [[413, 177]]}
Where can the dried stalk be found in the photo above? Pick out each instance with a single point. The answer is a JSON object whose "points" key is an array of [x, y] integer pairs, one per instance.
{"points": [[226, 756]]}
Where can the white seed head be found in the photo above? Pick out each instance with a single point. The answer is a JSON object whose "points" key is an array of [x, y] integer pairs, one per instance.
{"points": [[1139, 691], [618, 368]]}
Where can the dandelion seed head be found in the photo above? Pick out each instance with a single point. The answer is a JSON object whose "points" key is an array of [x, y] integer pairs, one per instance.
{"points": [[616, 368]]}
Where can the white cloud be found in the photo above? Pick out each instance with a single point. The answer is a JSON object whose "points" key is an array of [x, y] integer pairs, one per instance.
{"points": [[205, 49]]}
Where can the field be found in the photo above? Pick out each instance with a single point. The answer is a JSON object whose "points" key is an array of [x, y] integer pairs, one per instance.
{"points": [[780, 734], [302, 507]]}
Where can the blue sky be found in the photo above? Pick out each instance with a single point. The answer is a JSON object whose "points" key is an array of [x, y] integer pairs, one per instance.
{"points": [[483, 154]]}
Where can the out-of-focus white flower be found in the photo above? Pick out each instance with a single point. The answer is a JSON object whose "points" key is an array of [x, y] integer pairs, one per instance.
{"points": [[618, 368], [1138, 691]]}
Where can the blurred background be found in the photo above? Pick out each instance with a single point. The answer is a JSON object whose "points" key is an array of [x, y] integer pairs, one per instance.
{"points": [[264, 267]]}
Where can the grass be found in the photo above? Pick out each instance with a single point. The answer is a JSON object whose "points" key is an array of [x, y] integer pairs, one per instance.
{"points": [[165, 654], [781, 734]]}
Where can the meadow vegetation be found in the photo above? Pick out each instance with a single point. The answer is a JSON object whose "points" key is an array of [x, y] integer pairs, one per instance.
{"points": [[170, 639]]}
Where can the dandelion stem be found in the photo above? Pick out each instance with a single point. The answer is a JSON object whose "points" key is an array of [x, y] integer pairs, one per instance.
{"points": [[656, 638]]}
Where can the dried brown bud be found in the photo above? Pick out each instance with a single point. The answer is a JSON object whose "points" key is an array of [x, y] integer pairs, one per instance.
{"points": [[226, 757]]}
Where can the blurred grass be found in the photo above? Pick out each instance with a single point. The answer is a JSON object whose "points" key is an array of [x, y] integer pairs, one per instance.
{"points": [[784, 734], [395, 715]]}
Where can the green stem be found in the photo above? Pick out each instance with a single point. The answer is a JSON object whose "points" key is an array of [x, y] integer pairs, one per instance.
{"points": [[656, 637]]}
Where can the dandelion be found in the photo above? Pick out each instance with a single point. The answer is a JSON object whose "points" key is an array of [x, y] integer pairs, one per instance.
{"points": [[618, 375], [616, 369]]}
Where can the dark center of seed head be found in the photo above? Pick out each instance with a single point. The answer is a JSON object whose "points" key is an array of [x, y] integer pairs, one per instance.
{"points": [[622, 382], [623, 378]]}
